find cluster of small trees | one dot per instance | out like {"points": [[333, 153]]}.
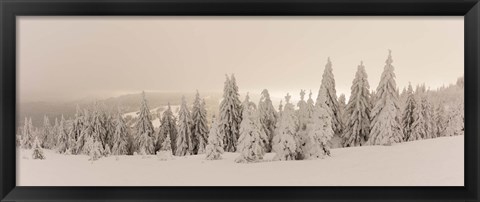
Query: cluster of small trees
{"points": [[382, 117]]}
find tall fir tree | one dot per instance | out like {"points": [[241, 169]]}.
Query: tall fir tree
{"points": [[357, 111], [62, 136], [230, 114], [251, 143], [144, 130], [200, 125], [328, 82], [440, 120], [120, 136], [268, 117], [214, 149], [75, 131], [184, 142], [86, 133], [285, 145], [168, 127], [342, 105], [46, 133], [302, 113], [385, 123], [408, 117], [27, 135]]}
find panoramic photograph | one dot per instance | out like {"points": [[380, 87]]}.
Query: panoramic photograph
{"points": [[240, 101]]}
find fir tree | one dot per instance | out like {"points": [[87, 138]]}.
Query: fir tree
{"points": [[214, 148], [167, 144], [252, 139], [168, 127], [268, 117], [144, 130], [342, 105], [284, 143], [75, 131], [440, 120], [46, 133], [85, 134], [230, 114], [184, 144], [27, 135], [328, 82], [200, 125], [37, 150], [62, 136], [94, 148], [408, 118], [120, 136], [302, 113], [357, 111], [385, 124]]}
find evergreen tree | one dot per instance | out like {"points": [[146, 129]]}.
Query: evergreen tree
{"points": [[455, 121], [268, 118], [120, 136], [75, 131], [319, 132], [167, 144], [184, 143], [409, 116], [285, 142], [46, 133], [200, 125], [144, 130], [342, 105], [385, 123], [328, 82], [62, 134], [168, 127], [440, 120], [27, 135], [357, 111], [251, 143], [85, 134], [37, 150], [214, 148], [302, 113], [230, 114], [94, 149]]}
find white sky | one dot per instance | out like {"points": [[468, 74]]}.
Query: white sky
{"points": [[67, 58]]}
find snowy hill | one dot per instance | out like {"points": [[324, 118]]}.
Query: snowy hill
{"points": [[432, 162], [156, 112]]}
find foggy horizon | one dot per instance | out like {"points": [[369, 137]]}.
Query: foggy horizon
{"points": [[64, 59]]}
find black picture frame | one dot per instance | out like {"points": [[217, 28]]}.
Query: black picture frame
{"points": [[10, 9]]}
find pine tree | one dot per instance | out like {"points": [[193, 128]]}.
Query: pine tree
{"points": [[230, 114], [385, 123], [268, 117], [85, 134], [342, 105], [27, 135], [409, 115], [75, 131], [45, 133], [319, 131], [285, 142], [455, 120], [302, 113], [168, 127], [167, 144], [94, 148], [328, 82], [120, 136], [184, 144], [200, 125], [62, 135], [357, 111], [251, 143], [144, 130], [440, 120], [37, 150], [214, 148]]}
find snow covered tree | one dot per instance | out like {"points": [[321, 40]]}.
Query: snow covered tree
{"points": [[200, 125], [45, 133], [328, 82], [230, 114], [27, 135], [62, 136], [184, 135], [409, 116], [357, 111], [302, 113], [440, 120], [214, 148], [251, 143], [120, 136], [37, 150], [342, 105], [168, 127], [385, 123], [166, 144], [268, 117], [455, 120], [85, 134], [284, 141], [144, 130], [75, 131], [95, 149], [319, 132]]}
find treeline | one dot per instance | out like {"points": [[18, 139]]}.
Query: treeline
{"points": [[304, 131]]}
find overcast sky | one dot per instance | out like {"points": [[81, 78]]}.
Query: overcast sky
{"points": [[68, 58]]}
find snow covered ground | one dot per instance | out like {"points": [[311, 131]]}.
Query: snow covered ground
{"points": [[433, 162]]}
